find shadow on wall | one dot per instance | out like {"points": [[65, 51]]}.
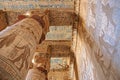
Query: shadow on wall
{"points": [[93, 63]]}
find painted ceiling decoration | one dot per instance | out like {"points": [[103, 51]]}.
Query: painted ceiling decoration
{"points": [[57, 17], [48, 46], [60, 63], [56, 47], [59, 33], [35, 4]]}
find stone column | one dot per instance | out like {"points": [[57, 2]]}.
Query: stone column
{"points": [[17, 45]]}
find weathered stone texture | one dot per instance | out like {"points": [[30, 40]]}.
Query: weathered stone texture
{"points": [[12, 16], [57, 17], [59, 33], [18, 5], [17, 45], [59, 75], [61, 17], [97, 50], [45, 44], [3, 20]]}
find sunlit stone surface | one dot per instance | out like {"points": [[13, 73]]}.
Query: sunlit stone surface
{"points": [[98, 39]]}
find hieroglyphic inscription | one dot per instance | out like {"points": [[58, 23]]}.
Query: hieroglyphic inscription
{"points": [[25, 53], [59, 33], [17, 45], [57, 17], [8, 67], [60, 50], [61, 17], [34, 4], [44, 45]]}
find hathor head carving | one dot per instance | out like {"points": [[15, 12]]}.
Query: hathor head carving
{"points": [[42, 18], [39, 59]]}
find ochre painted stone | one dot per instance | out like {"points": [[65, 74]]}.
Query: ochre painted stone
{"points": [[3, 20]]}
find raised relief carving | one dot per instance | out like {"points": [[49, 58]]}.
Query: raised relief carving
{"points": [[7, 40], [24, 53], [16, 47], [56, 17], [108, 10]]}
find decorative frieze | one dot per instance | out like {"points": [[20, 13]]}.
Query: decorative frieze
{"points": [[57, 17], [34, 4]]}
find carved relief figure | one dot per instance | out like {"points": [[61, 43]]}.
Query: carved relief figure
{"points": [[38, 72], [19, 41], [25, 53]]}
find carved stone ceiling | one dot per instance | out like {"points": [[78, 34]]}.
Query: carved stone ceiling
{"points": [[61, 23], [61, 18], [59, 33], [35, 4], [44, 45], [58, 30], [57, 17]]}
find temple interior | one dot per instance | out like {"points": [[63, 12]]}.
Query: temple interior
{"points": [[59, 40]]}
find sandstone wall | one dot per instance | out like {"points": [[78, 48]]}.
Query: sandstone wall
{"points": [[97, 42]]}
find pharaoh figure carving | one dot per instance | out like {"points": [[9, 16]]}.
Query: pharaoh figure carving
{"points": [[18, 43]]}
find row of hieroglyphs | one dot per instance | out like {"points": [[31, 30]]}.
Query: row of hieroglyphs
{"points": [[34, 4], [59, 33]]}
